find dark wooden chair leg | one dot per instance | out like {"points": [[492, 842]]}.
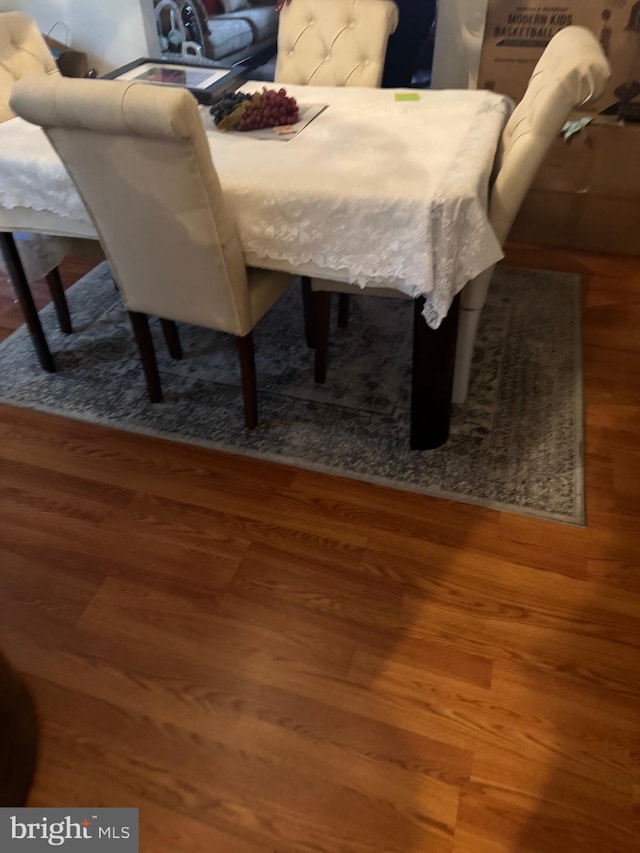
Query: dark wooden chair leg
{"points": [[343, 310], [140, 323], [322, 311], [59, 301], [307, 307], [434, 353], [249, 383], [172, 338], [25, 298]]}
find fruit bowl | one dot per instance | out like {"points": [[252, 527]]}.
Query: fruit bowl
{"points": [[269, 108]]}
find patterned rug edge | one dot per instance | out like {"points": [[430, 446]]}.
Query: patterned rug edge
{"points": [[578, 520], [580, 423]]}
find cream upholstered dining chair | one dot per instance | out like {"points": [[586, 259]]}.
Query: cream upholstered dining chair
{"points": [[571, 72], [334, 42], [139, 158], [24, 53]]}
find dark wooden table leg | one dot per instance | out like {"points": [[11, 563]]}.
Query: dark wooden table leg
{"points": [[434, 353], [25, 298]]}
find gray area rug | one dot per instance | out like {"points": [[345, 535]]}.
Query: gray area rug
{"points": [[515, 445]]}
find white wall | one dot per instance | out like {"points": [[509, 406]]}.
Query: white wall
{"points": [[459, 34], [112, 32]]}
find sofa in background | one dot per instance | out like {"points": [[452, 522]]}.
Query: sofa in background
{"points": [[225, 31], [239, 26]]}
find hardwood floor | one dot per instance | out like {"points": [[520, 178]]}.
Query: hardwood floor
{"points": [[270, 660]]}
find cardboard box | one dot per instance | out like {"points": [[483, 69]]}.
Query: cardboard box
{"points": [[587, 192], [587, 223], [517, 32]]}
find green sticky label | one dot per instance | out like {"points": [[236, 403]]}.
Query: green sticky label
{"points": [[407, 96]]}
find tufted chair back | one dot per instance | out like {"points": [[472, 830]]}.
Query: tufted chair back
{"points": [[571, 73], [23, 53], [334, 42], [139, 158]]}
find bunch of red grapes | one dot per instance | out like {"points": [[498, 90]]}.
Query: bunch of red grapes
{"points": [[273, 109]]}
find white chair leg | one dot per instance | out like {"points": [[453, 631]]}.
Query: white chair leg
{"points": [[467, 328], [474, 296]]}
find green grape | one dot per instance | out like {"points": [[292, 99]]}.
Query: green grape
{"points": [[225, 105]]}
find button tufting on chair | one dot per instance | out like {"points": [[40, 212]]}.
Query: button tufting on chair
{"points": [[23, 53], [311, 32], [571, 73], [323, 42]]}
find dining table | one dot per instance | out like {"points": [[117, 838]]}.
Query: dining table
{"points": [[382, 188]]}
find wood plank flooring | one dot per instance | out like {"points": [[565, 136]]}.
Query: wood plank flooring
{"points": [[269, 660]]}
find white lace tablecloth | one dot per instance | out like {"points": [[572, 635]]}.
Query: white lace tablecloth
{"points": [[381, 190]]}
